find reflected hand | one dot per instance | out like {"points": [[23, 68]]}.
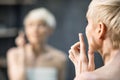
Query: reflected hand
{"points": [[20, 40]]}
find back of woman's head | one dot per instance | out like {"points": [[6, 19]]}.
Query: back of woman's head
{"points": [[108, 12]]}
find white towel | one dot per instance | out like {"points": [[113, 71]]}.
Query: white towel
{"points": [[42, 74]]}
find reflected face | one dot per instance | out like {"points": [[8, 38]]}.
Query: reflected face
{"points": [[91, 35], [36, 31]]}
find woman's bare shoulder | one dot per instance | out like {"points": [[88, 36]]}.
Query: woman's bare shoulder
{"points": [[101, 73], [89, 76], [12, 52], [11, 55]]}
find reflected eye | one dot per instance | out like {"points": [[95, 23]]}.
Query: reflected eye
{"points": [[29, 24], [42, 25]]}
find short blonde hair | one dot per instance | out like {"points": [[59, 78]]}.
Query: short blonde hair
{"points": [[108, 12], [42, 14]]}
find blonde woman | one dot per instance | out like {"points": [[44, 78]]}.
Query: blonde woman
{"points": [[36, 60], [103, 35]]}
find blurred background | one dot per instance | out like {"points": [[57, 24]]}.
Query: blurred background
{"points": [[70, 16]]}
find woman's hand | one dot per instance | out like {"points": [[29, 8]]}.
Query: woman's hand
{"points": [[77, 54], [20, 40]]}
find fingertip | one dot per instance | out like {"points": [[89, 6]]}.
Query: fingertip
{"points": [[80, 34], [69, 51], [81, 38]]}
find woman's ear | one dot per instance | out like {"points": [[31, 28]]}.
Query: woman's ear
{"points": [[101, 30]]}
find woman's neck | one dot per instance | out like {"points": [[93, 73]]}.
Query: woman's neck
{"points": [[38, 48], [110, 56], [107, 52]]}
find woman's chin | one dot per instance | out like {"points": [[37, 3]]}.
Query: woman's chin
{"points": [[34, 42], [90, 47]]}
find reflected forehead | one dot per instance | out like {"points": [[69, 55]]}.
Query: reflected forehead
{"points": [[35, 21]]}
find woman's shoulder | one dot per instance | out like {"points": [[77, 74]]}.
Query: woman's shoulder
{"points": [[13, 52], [98, 74], [89, 76]]}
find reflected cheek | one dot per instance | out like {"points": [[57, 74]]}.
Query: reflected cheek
{"points": [[43, 32], [29, 34]]}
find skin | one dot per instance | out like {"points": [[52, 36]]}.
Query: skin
{"points": [[98, 41], [37, 53]]}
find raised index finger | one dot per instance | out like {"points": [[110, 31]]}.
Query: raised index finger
{"points": [[82, 44]]}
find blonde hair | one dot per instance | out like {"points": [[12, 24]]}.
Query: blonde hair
{"points": [[42, 14], [108, 12]]}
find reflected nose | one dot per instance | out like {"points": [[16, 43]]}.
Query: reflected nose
{"points": [[35, 30]]}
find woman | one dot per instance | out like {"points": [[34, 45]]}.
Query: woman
{"points": [[36, 60], [103, 35]]}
